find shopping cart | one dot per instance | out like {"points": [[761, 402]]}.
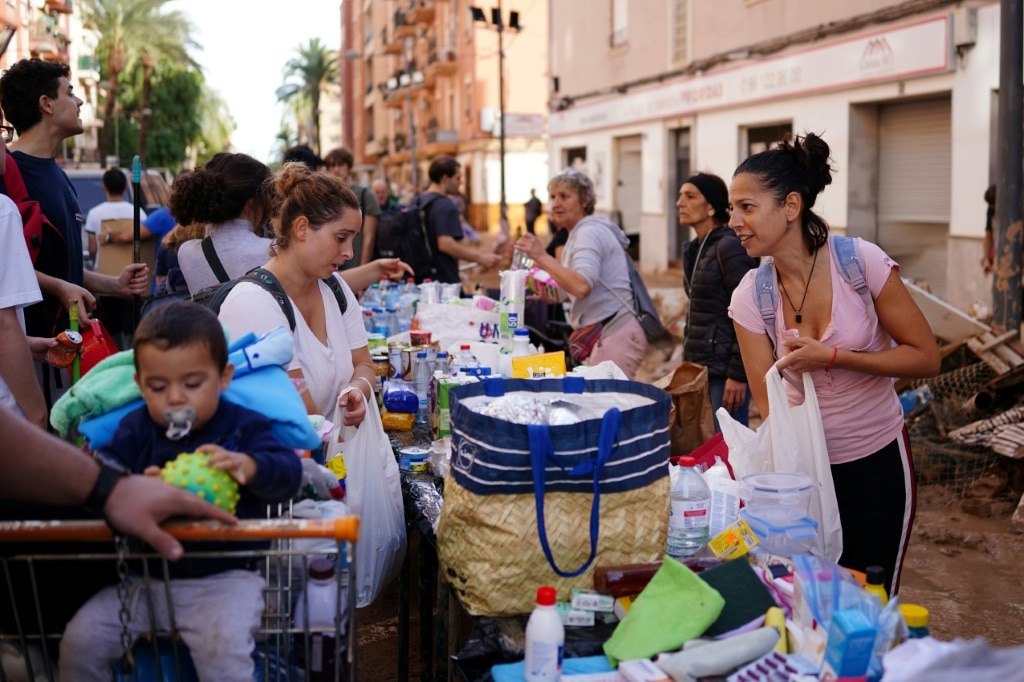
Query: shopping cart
{"points": [[30, 653]]}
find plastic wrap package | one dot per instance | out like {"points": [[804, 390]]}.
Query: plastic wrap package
{"points": [[512, 305], [422, 493]]}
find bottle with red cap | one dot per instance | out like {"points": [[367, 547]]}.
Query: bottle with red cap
{"points": [[691, 510], [545, 639]]}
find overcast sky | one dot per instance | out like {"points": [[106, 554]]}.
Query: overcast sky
{"points": [[245, 47]]}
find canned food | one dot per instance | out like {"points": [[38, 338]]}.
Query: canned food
{"points": [[63, 354], [419, 337], [413, 459], [400, 360]]}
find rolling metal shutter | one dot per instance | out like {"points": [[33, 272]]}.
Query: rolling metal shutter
{"points": [[914, 182]]}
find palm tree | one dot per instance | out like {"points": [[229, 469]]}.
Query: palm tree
{"points": [[133, 31], [305, 76]]}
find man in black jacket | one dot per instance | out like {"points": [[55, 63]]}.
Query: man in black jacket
{"points": [[714, 262]]}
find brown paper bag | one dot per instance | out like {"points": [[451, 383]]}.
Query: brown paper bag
{"points": [[691, 422]]}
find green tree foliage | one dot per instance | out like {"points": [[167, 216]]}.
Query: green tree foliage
{"points": [[304, 77], [179, 101], [131, 33]]}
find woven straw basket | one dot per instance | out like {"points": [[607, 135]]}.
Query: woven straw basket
{"points": [[489, 543]]}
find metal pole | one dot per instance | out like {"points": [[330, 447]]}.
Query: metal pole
{"points": [[410, 46], [501, 108], [1006, 284], [137, 237]]}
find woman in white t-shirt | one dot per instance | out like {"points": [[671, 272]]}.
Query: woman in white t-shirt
{"points": [[317, 217], [822, 325]]}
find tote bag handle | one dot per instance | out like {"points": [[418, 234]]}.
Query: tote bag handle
{"points": [[541, 451]]}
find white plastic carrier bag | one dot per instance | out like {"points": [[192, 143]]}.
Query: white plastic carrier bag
{"points": [[374, 494], [790, 440]]}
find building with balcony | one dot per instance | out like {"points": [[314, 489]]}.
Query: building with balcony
{"points": [[646, 92], [420, 78]]}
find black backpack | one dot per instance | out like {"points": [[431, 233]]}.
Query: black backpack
{"points": [[404, 233], [215, 295]]}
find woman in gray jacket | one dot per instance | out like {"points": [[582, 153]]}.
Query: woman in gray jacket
{"points": [[592, 272]]}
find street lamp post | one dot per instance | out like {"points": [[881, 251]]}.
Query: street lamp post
{"points": [[497, 20], [410, 46]]}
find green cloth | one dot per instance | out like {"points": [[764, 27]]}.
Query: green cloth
{"points": [[107, 386], [675, 607]]}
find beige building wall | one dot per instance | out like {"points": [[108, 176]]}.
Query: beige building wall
{"points": [[642, 116]]}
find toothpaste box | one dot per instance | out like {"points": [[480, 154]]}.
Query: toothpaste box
{"points": [[572, 617], [589, 600]]}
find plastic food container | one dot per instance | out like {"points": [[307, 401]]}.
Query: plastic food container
{"points": [[782, 530], [787, 490]]}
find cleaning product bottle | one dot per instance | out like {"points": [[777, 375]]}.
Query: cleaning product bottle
{"points": [[875, 576], [691, 511], [545, 639], [916, 617]]}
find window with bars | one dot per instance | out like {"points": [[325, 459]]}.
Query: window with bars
{"points": [[680, 31]]}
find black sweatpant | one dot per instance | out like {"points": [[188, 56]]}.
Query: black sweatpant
{"points": [[877, 497]]}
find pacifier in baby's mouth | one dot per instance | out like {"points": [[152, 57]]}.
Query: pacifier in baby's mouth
{"points": [[179, 422]]}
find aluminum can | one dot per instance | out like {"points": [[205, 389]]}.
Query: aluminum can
{"points": [[63, 354]]}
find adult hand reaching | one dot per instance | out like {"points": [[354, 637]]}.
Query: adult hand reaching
{"points": [[139, 504]]}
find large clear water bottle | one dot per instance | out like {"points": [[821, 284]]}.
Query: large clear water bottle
{"points": [[691, 511]]}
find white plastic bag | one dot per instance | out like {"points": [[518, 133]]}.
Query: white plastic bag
{"points": [[458, 322], [374, 493], [790, 440]]}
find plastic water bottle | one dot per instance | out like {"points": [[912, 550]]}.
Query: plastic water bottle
{"points": [[545, 639], [441, 364], [380, 322], [371, 297], [321, 594], [422, 384], [391, 316], [691, 511]]}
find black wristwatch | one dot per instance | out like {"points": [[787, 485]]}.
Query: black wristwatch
{"points": [[110, 474]]}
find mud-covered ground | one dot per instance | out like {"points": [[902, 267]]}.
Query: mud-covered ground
{"points": [[967, 571]]}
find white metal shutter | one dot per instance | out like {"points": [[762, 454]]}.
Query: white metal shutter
{"points": [[914, 183]]}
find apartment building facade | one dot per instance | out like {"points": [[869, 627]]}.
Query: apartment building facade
{"points": [[420, 78], [645, 92], [52, 30]]}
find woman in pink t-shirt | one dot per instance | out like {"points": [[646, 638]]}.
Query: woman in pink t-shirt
{"points": [[823, 327]]}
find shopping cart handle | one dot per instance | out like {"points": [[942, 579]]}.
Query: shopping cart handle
{"points": [[340, 529]]}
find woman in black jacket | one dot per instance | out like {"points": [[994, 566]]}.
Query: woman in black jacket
{"points": [[714, 262]]}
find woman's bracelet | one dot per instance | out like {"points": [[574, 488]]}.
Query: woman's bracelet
{"points": [[832, 362]]}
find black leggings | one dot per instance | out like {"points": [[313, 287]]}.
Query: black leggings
{"points": [[877, 496]]}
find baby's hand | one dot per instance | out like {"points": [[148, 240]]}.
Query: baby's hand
{"points": [[152, 471], [239, 465]]}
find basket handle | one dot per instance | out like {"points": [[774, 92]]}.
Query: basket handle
{"points": [[541, 451]]}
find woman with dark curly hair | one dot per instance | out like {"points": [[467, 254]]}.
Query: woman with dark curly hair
{"points": [[852, 346]]}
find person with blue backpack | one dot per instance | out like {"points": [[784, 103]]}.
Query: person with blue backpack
{"points": [[837, 308]]}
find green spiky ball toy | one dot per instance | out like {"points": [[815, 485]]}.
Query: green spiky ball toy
{"points": [[191, 472]]}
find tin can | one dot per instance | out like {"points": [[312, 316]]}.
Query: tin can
{"points": [[413, 459], [399, 355], [419, 337], [63, 354]]}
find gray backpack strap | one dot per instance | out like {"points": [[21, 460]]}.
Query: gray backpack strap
{"points": [[765, 298], [844, 250]]}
